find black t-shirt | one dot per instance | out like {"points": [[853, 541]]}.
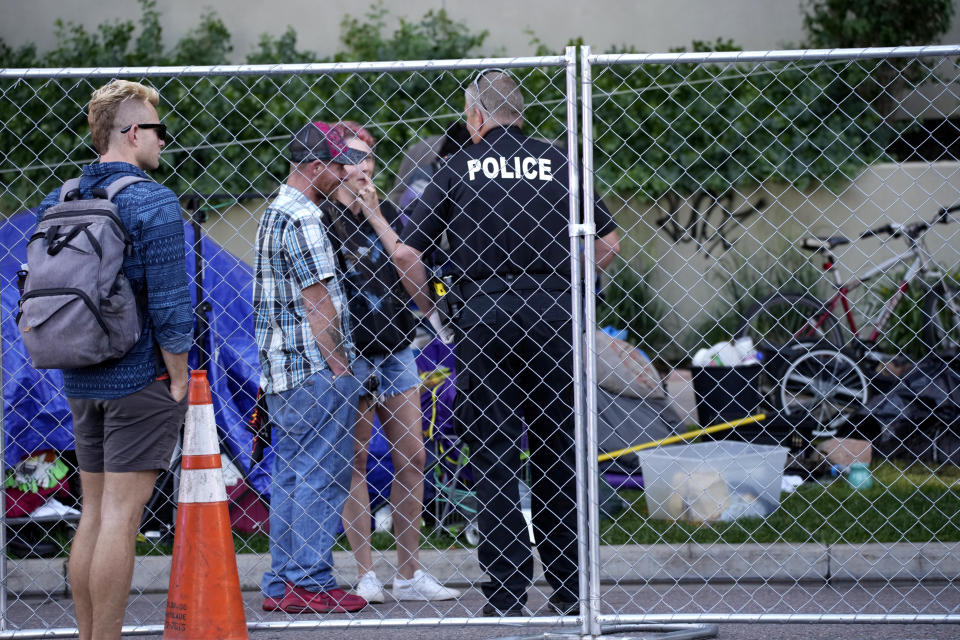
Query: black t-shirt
{"points": [[504, 202], [380, 320]]}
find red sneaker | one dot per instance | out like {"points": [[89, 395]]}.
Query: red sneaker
{"points": [[273, 604], [299, 600]]}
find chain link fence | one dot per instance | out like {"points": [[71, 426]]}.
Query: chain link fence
{"points": [[798, 199], [789, 256]]}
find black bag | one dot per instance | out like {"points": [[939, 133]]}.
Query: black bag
{"points": [[380, 322], [918, 417]]}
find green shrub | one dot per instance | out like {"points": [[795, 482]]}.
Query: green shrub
{"points": [[876, 23], [662, 129], [879, 23], [681, 128], [745, 282], [230, 133]]}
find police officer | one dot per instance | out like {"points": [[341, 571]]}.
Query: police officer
{"points": [[503, 202]]}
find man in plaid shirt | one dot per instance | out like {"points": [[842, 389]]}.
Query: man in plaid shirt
{"points": [[303, 338]]}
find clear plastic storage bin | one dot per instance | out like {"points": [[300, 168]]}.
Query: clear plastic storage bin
{"points": [[712, 481]]}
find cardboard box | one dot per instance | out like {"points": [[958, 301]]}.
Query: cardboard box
{"points": [[846, 451]]}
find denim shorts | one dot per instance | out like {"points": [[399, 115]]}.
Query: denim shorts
{"points": [[396, 373]]}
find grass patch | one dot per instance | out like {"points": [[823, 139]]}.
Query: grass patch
{"points": [[259, 543], [908, 503]]}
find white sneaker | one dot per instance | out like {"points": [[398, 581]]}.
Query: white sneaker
{"points": [[422, 586], [370, 588]]}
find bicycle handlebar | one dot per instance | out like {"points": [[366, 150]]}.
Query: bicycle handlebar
{"points": [[887, 229], [912, 230], [943, 217]]}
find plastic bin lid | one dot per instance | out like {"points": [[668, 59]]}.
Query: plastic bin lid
{"points": [[703, 450]]}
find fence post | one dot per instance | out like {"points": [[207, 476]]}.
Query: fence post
{"points": [[591, 624], [576, 306]]}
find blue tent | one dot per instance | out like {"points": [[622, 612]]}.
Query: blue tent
{"points": [[35, 412]]}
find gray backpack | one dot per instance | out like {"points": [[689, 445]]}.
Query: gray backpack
{"points": [[77, 308]]}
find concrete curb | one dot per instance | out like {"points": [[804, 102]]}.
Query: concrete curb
{"points": [[623, 564]]}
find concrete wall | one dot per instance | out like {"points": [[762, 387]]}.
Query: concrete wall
{"points": [[692, 269], [647, 25]]}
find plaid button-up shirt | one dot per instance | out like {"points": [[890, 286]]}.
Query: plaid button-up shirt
{"points": [[293, 253]]}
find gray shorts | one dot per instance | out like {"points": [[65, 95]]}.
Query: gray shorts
{"points": [[137, 432]]}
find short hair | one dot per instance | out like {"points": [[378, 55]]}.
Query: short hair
{"points": [[105, 103], [350, 129], [496, 94]]}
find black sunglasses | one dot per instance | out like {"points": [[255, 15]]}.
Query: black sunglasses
{"points": [[159, 126], [480, 74]]}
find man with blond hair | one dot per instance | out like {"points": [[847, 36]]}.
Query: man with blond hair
{"points": [[127, 411]]}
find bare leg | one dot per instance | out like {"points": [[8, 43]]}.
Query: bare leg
{"points": [[356, 511], [81, 551], [111, 566], [401, 419]]}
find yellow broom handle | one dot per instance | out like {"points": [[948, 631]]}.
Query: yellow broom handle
{"points": [[683, 436]]}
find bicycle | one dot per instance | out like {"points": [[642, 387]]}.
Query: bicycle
{"points": [[821, 371]]}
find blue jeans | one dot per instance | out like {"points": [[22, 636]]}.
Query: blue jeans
{"points": [[313, 451]]}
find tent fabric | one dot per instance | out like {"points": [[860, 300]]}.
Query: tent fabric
{"points": [[443, 447], [917, 417], [36, 415], [624, 422], [35, 411]]}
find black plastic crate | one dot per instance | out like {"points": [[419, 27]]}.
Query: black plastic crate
{"points": [[724, 394]]}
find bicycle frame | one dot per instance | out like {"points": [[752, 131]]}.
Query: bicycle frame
{"points": [[826, 378], [920, 266]]}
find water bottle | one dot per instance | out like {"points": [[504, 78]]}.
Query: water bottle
{"points": [[22, 277], [858, 475]]}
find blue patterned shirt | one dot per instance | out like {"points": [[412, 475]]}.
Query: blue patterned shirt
{"points": [[293, 253], [151, 214]]}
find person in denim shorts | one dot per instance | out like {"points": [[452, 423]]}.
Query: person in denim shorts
{"points": [[382, 330]]}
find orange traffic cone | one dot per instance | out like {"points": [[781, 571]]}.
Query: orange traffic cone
{"points": [[204, 600]]}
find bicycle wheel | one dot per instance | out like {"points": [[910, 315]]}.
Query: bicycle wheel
{"points": [[826, 384], [941, 330], [784, 317]]}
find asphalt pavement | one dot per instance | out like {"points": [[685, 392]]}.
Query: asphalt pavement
{"points": [[813, 597]]}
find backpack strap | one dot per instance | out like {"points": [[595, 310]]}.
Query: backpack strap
{"points": [[111, 192], [116, 187], [122, 183], [334, 232], [73, 184], [68, 187]]}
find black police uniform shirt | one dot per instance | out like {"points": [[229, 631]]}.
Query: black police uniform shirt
{"points": [[504, 203]]}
